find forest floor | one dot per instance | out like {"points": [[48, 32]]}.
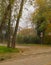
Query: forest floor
{"points": [[30, 55]]}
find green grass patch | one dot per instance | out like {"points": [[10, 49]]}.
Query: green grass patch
{"points": [[4, 49]]}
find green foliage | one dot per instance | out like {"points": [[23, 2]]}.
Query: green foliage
{"points": [[43, 9], [42, 15], [42, 27]]}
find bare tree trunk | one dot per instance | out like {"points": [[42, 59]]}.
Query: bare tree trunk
{"points": [[17, 24], [8, 43]]}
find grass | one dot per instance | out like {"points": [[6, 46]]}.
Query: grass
{"points": [[4, 49]]}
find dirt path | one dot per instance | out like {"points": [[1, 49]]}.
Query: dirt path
{"points": [[33, 55], [32, 60]]}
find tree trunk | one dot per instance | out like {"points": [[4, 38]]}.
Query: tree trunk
{"points": [[8, 43], [17, 24], [9, 25]]}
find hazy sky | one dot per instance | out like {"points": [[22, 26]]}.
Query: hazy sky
{"points": [[27, 10]]}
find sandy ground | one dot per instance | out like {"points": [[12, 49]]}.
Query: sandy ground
{"points": [[31, 55]]}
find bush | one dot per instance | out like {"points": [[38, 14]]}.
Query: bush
{"points": [[37, 40], [47, 40], [28, 39], [25, 39]]}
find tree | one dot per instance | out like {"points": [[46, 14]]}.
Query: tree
{"points": [[9, 24], [2, 15], [6, 19], [40, 16], [17, 24]]}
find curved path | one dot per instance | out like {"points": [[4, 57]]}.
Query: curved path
{"points": [[32, 56]]}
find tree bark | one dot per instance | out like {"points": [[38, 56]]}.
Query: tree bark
{"points": [[9, 24]]}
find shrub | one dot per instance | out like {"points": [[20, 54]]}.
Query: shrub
{"points": [[47, 40], [25, 39]]}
